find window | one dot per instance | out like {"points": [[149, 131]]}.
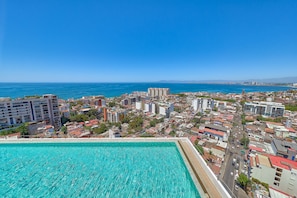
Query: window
{"points": [[277, 179], [278, 174]]}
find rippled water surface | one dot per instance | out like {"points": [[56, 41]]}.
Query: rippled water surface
{"points": [[94, 170], [77, 90]]}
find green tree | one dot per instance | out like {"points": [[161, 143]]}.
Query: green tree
{"points": [[243, 181], [178, 109], [112, 104], [291, 107], [64, 120], [196, 121], [182, 95], [172, 133], [101, 129], [64, 129], [153, 123], [245, 141], [199, 149], [23, 129], [79, 118], [126, 119], [93, 114], [136, 123]]}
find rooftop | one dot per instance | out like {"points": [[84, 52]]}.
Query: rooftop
{"points": [[216, 127], [219, 133], [283, 146], [282, 162]]}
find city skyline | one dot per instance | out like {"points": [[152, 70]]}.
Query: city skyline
{"points": [[53, 41]]}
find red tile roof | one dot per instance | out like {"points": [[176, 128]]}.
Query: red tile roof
{"points": [[214, 132], [193, 138], [292, 130], [282, 162]]}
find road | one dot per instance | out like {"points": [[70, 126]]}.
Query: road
{"points": [[233, 151], [228, 177]]}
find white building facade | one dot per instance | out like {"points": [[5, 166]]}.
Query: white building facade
{"points": [[271, 109], [35, 109], [279, 173], [202, 104], [158, 92], [165, 109]]}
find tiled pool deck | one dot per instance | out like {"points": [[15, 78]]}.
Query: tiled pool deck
{"points": [[203, 177]]}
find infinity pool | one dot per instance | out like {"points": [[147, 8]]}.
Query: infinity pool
{"points": [[117, 169]]}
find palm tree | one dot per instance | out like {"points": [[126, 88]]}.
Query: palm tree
{"points": [[243, 181]]}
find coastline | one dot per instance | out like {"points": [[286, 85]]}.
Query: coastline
{"points": [[109, 90]]}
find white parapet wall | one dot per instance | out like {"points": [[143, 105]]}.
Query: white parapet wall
{"points": [[209, 172]]}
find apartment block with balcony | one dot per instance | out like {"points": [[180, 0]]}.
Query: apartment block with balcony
{"points": [[271, 109], [158, 92], [34, 109]]}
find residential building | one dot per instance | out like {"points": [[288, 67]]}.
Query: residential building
{"points": [[165, 109], [158, 92], [202, 104], [271, 109], [30, 109], [139, 105], [278, 172], [215, 131], [115, 115], [150, 107], [284, 149]]}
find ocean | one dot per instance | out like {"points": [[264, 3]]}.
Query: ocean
{"points": [[78, 90]]}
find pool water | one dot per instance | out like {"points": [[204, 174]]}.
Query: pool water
{"points": [[144, 169]]}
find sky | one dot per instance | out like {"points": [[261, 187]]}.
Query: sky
{"points": [[146, 40]]}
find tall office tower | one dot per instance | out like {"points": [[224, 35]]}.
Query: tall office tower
{"points": [[30, 109]]}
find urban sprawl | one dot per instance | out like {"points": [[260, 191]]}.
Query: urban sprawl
{"points": [[248, 140]]}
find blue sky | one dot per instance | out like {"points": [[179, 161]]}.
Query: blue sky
{"points": [[146, 40]]}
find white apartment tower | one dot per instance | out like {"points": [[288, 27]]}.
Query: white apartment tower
{"points": [[35, 109], [201, 104]]}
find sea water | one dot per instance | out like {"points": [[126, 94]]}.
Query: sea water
{"points": [[78, 90]]}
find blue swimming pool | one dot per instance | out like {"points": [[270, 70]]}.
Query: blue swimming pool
{"points": [[116, 169]]}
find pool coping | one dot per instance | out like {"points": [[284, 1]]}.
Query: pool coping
{"points": [[198, 166]]}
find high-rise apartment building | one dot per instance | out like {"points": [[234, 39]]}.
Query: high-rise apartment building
{"points": [[202, 104], [158, 92], [115, 115], [34, 109], [165, 109]]}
